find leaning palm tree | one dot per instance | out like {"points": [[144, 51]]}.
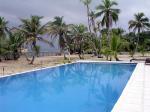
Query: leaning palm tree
{"points": [[139, 24], [33, 29], [109, 14], [58, 28], [87, 3], [3, 31]]}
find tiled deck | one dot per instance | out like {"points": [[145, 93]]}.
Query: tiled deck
{"points": [[136, 95]]}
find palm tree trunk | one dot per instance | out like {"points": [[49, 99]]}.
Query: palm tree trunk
{"points": [[108, 36], [109, 25], [88, 11], [138, 38], [33, 58], [116, 57], [94, 26], [66, 45], [33, 52], [81, 55], [27, 57]]}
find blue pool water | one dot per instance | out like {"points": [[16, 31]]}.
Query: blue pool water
{"points": [[80, 87]]}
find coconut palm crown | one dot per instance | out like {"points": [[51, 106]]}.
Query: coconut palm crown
{"points": [[3, 27], [58, 28], [33, 29], [139, 24], [108, 12]]}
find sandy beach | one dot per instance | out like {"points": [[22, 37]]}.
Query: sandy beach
{"points": [[21, 65]]}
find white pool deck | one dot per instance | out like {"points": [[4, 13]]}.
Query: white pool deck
{"points": [[136, 95]]}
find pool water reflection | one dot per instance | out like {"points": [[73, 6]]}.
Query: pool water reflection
{"points": [[79, 87]]}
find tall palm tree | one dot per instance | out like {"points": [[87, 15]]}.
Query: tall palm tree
{"points": [[3, 31], [33, 29], [58, 28], [87, 3], [109, 14], [139, 24]]}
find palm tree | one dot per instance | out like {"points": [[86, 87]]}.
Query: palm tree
{"points": [[115, 46], [79, 33], [3, 31], [15, 42], [92, 17], [139, 24], [3, 27], [33, 29], [108, 13], [87, 3], [58, 28], [118, 31], [12, 47]]}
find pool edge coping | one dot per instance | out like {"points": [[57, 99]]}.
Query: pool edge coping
{"points": [[126, 89], [77, 61]]}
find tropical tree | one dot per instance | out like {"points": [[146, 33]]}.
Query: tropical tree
{"points": [[115, 46], [109, 14], [12, 48], [3, 31], [33, 29], [15, 42], [79, 33], [118, 31], [95, 45], [139, 24], [58, 28], [92, 17], [87, 3], [105, 48], [3, 44], [3, 27]]}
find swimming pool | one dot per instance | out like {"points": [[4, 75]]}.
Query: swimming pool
{"points": [[77, 87]]}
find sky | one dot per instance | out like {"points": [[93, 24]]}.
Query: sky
{"points": [[72, 10]]}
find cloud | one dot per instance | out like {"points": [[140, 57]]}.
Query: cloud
{"points": [[72, 10]]}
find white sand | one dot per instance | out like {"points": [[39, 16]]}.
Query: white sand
{"points": [[21, 65]]}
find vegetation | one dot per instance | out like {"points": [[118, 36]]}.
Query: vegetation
{"points": [[99, 38], [87, 3], [109, 15], [32, 30], [140, 23], [3, 31]]}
